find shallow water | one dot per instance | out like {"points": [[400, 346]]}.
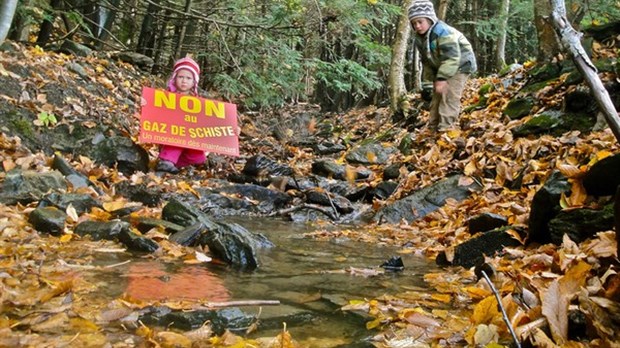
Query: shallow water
{"points": [[311, 279]]}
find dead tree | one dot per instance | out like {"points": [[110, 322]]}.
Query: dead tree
{"points": [[570, 39]]}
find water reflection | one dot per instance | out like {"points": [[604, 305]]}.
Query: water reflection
{"points": [[151, 280]]}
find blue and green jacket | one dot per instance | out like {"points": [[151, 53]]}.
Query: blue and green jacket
{"points": [[444, 52]]}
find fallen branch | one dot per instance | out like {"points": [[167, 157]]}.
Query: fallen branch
{"points": [[570, 39], [501, 307], [211, 305]]}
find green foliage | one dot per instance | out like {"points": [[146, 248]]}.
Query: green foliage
{"points": [[599, 12], [46, 119], [346, 76]]}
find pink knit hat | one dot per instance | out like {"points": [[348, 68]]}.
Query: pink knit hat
{"points": [[190, 65]]}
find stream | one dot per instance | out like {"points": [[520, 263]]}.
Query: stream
{"points": [[311, 278]]}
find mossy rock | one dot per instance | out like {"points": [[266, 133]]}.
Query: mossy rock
{"points": [[519, 107], [546, 72], [405, 144], [556, 123]]}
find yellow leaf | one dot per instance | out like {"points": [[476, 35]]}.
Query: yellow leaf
{"points": [[373, 324], [83, 325], [485, 311], [59, 289], [188, 188], [471, 167], [115, 205], [65, 238], [173, 340], [477, 293], [555, 309], [350, 174], [445, 298], [371, 156]]}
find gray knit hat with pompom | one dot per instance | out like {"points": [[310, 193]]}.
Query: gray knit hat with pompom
{"points": [[423, 8]]}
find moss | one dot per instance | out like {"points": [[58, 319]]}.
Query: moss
{"points": [[486, 88], [519, 107], [23, 127]]}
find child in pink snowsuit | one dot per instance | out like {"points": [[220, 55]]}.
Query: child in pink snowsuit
{"points": [[184, 80]]}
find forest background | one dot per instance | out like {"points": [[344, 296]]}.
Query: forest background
{"points": [[260, 54]]}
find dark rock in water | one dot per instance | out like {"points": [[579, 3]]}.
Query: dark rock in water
{"points": [[384, 190], [82, 202], [124, 211], [348, 190], [324, 198], [424, 201], [268, 199], [145, 224], [472, 252], [262, 166], [48, 220], [136, 242], [545, 206], [234, 244], [330, 169], [486, 222], [189, 235], [98, 230], [123, 153], [395, 263], [230, 242], [232, 319], [580, 224], [28, 186], [604, 177]]}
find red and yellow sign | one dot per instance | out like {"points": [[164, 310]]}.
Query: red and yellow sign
{"points": [[188, 121]]}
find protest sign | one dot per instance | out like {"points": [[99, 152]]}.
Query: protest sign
{"points": [[188, 121]]}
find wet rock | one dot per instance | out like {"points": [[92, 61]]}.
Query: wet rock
{"points": [[232, 319], [77, 179], [268, 199], [235, 245], [125, 211], [230, 242], [135, 242], [48, 220], [328, 148], [545, 206], [472, 252], [309, 214], [348, 190], [122, 153], [330, 169], [392, 171], [373, 153], [189, 235], [149, 196], [580, 224], [78, 69], [145, 224], [306, 183], [405, 144], [262, 166], [81, 202], [603, 177], [486, 222], [318, 196], [384, 190], [28, 186], [98, 230], [424, 201]]}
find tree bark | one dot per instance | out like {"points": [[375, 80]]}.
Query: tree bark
{"points": [[107, 25], [548, 45], [396, 78], [570, 39], [146, 40], [7, 11], [500, 48], [442, 9], [182, 31], [45, 32]]}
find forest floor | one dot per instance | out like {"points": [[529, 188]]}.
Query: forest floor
{"points": [[539, 284]]}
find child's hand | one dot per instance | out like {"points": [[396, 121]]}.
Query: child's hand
{"points": [[142, 101]]}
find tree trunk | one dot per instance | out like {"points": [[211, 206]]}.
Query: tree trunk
{"points": [[21, 25], [442, 9], [571, 41], [548, 45], [104, 34], [7, 11], [45, 32], [146, 40], [396, 79], [177, 50], [500, 48], [617, 219]]}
